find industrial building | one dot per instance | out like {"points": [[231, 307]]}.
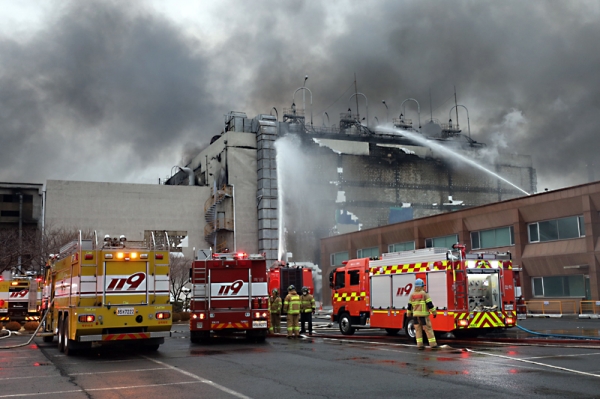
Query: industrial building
{"points": [[553, 237], [279, 187], [21, 207], [134, 210]]}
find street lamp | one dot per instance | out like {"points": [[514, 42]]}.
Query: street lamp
{"points": [[276, 113], [387, 112]]}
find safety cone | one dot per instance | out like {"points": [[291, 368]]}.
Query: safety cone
{"points": [[320, 306]]}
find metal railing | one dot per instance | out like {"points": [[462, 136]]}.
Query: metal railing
{"points": [[589, 307], [553, 307]]}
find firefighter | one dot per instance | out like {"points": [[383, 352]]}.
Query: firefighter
{"points": [[420, 305], [291, 305], [307, 309], [275, 308]]}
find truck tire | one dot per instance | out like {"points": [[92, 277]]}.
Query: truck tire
{"points": [[409, 329], [392, 331], [256, 335], [45, 330], [199, 337], [70, 346], [345, 325], [61, 337]]}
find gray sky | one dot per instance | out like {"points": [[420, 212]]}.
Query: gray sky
{"points": [[122, 91]]}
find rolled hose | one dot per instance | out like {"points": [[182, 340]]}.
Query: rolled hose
{"points": [[557, 335]]}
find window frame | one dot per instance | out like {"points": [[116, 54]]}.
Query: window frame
{"points": [[511, 232], [580, 220], [392, 249], [359, 252], [332, 257], [431, 239]]}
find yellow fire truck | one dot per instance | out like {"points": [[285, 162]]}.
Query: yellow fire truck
{"points": [[109, 293], [20, 298]]}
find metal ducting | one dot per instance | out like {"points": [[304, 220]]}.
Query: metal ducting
{"points": [[191, 177]]}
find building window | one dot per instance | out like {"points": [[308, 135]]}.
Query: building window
{"points": [[501, 237], [368, 253], [338, 258], [559, 286], [402, 246], [441, 242], [10, 214], [557, 229]]}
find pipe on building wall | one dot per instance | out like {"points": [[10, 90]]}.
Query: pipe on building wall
{"points": [[191, 177]]}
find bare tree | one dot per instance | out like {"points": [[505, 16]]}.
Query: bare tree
{"points": [[179, 275]]}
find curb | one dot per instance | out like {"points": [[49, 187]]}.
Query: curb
{"points": [[589, 316]]}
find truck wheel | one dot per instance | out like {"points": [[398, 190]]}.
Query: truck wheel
{"points": [[61, 337], [409, 329], [46, 339], [345, 325], [199, 337], [256, 335], [151, 348], [392, 331], [69, 344]]}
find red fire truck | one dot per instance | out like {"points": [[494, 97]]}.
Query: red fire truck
{"points": [[281, 276], [229, 296], [474, 293]]}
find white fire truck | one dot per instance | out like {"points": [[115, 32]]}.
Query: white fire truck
{"points": [[229, 296], [474, 293], [115, 292], [20, 298]]}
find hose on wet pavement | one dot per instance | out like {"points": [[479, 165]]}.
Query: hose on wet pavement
{"points": [[557, 335]]}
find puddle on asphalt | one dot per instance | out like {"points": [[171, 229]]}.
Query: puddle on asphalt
{"points": [[213, 352]]}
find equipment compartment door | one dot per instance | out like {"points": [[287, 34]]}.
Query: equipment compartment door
{"points": [[381, 297], [437, 288], [402, 286]]}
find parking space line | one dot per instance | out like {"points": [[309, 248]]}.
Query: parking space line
{"points": [[120, 371], [555, 356], [536, 363], [21, 395], [200, 379]]}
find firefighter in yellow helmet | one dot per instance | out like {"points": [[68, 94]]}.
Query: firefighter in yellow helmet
{"points": [[291, 305], [420, 305], [275, 309], [307, 309]]}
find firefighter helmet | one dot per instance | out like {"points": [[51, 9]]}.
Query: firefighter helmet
{"points": [[304, 289], [291, 287], [419, 283], [275, 292]]}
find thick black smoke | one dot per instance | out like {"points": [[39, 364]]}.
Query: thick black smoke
{"points": [[115, 90]]}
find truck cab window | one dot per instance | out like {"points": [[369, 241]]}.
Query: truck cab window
{"points": [[354, 277], [340, 278]]}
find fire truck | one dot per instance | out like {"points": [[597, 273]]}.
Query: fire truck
{"points": [[115, 292], [474, 293], [229, 296], [20, 298], [281, 276]]}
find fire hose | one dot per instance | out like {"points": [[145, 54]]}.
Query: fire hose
{"points": [[32, 335], [557, 335]]}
